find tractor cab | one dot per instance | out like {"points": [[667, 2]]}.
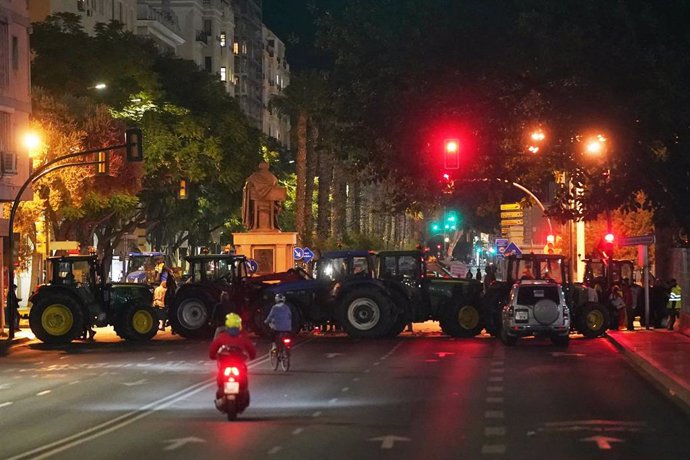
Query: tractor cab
{"points": [[550, 267], [140, 267], [602, 275]]}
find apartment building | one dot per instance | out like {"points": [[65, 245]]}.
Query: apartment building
{"points": [[276, 76], [15, 107], [247, 48], [91, 11]]}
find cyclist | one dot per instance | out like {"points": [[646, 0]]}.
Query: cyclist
{"points": [[237, 345], [279, 319]]}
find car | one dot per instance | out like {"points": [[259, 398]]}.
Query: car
{"points": [[536, 308]]}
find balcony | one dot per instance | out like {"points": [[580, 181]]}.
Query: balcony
{"points": [[167, 18]]}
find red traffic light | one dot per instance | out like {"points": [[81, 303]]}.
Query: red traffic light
{"points": [[609, 238], [451, 154]]}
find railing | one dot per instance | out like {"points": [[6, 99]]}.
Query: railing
{"points": [[167, 18]]}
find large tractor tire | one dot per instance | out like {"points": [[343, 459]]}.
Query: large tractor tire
{"points": [[592, 320], [56, 319], [138, 323], [190, 317], [462, 320], [492, 306], [366, 313]]}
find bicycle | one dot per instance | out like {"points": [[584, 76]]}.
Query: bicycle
{"points": [[280, 355]]}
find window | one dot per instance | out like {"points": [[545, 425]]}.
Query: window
{"points": [[15, 53], [223, 74], [208, 28], [80, 5], [236, 48], [4, 55], [7, 156], [222, 39], [244, 48], [208, 64]]}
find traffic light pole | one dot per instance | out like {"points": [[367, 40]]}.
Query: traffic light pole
{"points": [[133, 146]]}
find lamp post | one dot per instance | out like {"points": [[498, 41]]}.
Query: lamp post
{"points": [[134, 153]]}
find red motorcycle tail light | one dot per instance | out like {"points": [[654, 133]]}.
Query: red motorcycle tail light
{"points": [[228, 371]]}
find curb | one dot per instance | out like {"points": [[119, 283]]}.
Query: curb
{"points": [[671, 389], [5, 345]]}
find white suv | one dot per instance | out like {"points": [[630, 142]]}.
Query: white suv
{"points": [[536, 308]]}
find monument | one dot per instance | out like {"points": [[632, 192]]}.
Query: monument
{"points": [[262, 200]]}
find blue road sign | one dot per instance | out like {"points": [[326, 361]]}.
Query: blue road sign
{"points": [[252, 266], [512, 248], [297, 253], [308, 255], [501, 244]]}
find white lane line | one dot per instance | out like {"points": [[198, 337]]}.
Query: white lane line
{"points": [[496, 389], [274, 450], [345, 389], [497, 369], [498, 378], [494, 400], [297, 431], [493, 414], [333, 401], [44, 392], [495, 431], [356, 379], [74, 382], [5, 404], [316, 414], [151, 358], [498, 363], [493, 449], [377, 363], [366, 371]]}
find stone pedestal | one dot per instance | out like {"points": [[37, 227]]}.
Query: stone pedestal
{"points": [[271, 250]]}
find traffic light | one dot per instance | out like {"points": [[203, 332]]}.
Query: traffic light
{"points": [[606, 247], [103, 166], [451, 154], [182, 191], [133, 141]]}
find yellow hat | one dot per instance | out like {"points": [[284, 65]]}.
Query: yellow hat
{"points": [[233, 320]]}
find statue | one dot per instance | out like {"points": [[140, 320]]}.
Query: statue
{"points": [[262, 200]]}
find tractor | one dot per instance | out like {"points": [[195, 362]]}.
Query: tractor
{"points": [[76, 298]]}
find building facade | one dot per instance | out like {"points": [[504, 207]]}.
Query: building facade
{"points": [[15, 107], [248, 51], [91, 11], [276, 76]]}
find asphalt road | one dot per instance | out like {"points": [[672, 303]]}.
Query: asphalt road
{"points": [[414, 397]]}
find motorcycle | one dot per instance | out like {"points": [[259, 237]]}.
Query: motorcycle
{"points": [[232, 396]]}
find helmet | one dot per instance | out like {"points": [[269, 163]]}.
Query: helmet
{"points": [[233, 320], [279, 298]]}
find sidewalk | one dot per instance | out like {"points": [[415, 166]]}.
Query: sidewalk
{"points": [[662, 357], [22, 336]]}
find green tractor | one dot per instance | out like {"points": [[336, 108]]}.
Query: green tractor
{"points": [[75, 299]]}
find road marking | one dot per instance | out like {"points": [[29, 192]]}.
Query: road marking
{"points": [[45, 392], [4, 386], [345, 389], [179, 442], [356, 379], [493, 449], [495, 431], [316, 414], [332, 355], [297, 431], [498, 363], [498, 378], [5, 404], [151, 358], [603, 442], [497, 369], [496, 389], [377, 363], [97, 431], [388, 441], [493, 414], [494, 400], [333, 401], [274, 450], [366, 371], [74, 382], [138, 382]]}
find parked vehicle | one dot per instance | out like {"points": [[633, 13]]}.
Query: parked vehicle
{"points": [[536, 308], [587, 317], [76, 299]]}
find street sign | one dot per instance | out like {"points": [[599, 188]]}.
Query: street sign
{"points": [[297, 253], [510, 207], [308, 255], [511, 214], [511, 222], [501, 244], [643, 240], [252, 266], [512, 248]]}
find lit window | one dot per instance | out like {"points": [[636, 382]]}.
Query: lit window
{"points": [[223, 74], [244, 48], [222, 39], [236, 48]]}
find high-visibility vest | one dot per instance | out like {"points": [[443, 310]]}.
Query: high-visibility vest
{"points": [[674, 297]]}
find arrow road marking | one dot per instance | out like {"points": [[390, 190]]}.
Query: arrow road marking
{"points": [[138, 382], [332, 355], [179, 442], [603, 442], [388, 440]]}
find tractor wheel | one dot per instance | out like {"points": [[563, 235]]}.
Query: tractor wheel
{"points": [[366, 313], [138, 323], [462, 321], [397, 327], [56, 319], [492, 305], [189, 317], [593, 320]]}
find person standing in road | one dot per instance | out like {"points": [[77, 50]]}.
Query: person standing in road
{"points": [[617, 307], [479, 274], [673, 304]]}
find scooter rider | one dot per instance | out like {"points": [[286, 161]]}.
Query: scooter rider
{"points": [[279, 318], [232, 339]]}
